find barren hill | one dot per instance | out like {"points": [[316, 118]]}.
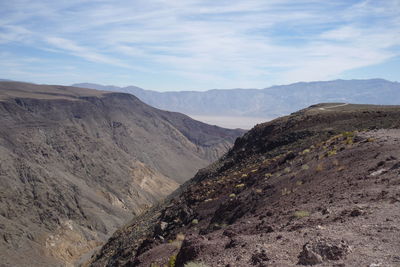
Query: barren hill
{"points": [[320, 186], [77, 163]]}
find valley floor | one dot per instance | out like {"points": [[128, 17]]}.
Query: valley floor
{"points": [[231, 122]]}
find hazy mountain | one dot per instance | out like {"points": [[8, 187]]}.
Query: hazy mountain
{"points": [[269, 102], [317, 187], [78, 163]]}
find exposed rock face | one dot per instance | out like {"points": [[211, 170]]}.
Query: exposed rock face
{"points": [[76, 164], [317, 187], [323, 250]]}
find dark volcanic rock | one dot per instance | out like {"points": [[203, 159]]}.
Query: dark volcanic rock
{"points": [[285, 182], [323, 249], [259, 258], [191, 248]]}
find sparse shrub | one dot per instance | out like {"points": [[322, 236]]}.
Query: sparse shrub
{"points": [[305, 167], [349, 140], [332, 152], [195, 264], [172, 261], [348, 134], [267, 175], [239, 185], [301, 214]]}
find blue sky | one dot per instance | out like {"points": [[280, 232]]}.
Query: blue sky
{"points": [[198, 45]]}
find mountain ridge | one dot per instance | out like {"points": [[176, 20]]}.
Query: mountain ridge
{"points": [[78, 163], [316, 187], [246, 106]]}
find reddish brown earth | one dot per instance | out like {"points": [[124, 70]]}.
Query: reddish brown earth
{"points": [[321, 186]]}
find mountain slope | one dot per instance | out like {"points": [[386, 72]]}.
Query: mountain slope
{"points": [[78, 163], [269, 102], [317, 187]]}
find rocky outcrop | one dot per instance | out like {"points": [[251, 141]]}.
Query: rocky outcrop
{"points": [[322, 250]]}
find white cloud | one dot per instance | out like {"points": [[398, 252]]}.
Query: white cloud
{"points": [[222, 42], [84, 52]]}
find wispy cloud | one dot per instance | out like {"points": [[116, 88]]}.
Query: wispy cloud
{"points": [[84, 52], [206, 44]]}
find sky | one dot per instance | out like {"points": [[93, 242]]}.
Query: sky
{"points": [[171, 45]]}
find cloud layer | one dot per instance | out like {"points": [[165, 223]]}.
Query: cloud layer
{"points": [[167, 45]]}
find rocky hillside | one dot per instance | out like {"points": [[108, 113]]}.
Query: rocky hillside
{"points": [[320, 186], [76, 164], [270, 102]]}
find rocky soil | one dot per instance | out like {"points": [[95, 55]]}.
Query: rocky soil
{"points": [[319, 187], [76, 164]]}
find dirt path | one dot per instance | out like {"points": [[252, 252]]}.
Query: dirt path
{"points": [[335, 106]]}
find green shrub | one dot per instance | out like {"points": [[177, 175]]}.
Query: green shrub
{"points": [[348, 134], [349, 140], [172, 261], [332, 152], [239, 185], [301, 214]]}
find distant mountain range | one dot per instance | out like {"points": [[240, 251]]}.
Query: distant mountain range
{"points": [[266, 103]]}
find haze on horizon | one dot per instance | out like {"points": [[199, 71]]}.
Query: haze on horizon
{"points": [[198, 45]]}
